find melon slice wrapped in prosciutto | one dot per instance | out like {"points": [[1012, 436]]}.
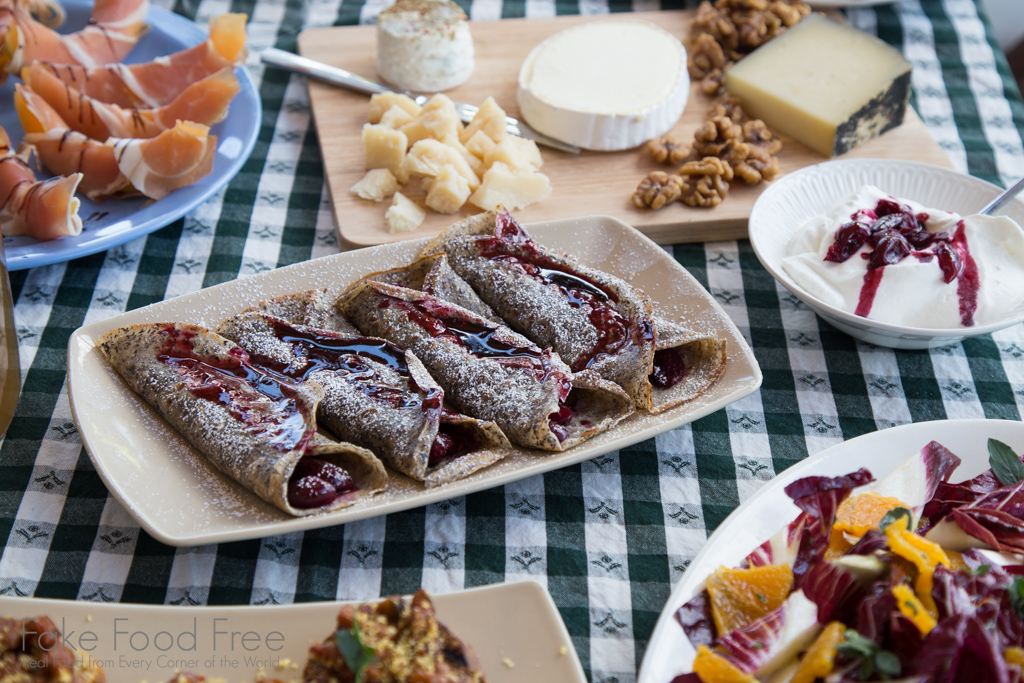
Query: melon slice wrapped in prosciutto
{"points": [[375, 395], [487, 370], [114, 28], [204, 102], [44, 209], [593, 320], [253, 425], [149, 85], [152, 167]]}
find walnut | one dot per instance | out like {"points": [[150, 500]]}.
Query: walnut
{"points": [[707, 192], [705, 182], [657, 190], [708, 166], [789, 13], [755, 131], [728, 106], [705, 56], [667, 150], [751, 156], [712, 137]]}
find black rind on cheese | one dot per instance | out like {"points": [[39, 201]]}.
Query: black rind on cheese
{"points": [[882, 113]]}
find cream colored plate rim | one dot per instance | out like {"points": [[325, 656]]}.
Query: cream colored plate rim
{"points": [[181, 500], [792, 200], [514, 630], [669, 653]]}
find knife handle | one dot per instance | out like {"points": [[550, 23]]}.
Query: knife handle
{"points": [[320, 71]]}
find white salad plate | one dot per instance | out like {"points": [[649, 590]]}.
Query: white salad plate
{"points": [[791, 201], [669, 652], [180, 499], [117, 221], [512, 628]]}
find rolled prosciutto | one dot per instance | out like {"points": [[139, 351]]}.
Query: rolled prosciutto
{"points": [[375, 395], [593, 320], [487, 370], [253, 425]]}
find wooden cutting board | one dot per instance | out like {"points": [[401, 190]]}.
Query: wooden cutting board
{"points": [[590, 183]]}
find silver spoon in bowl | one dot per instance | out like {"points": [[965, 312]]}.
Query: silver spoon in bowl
{"points": [[1003, 198]]}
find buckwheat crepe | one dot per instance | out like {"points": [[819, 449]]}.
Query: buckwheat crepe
{"points": [[251, 425], [592, 320], [487, 370], [375, 395]]}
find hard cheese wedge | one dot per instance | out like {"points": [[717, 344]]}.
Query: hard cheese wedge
{"points": [[829, 86]]}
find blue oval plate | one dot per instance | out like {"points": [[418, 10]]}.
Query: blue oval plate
{"points": [[117, 221]]}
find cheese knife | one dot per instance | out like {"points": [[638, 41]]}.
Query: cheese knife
{"points": [[311, 68]]}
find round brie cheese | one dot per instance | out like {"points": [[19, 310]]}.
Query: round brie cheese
{"points": [[606, 85], [424, 45]]}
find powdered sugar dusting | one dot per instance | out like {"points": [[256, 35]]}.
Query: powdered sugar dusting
{"points": [[138, 455]]}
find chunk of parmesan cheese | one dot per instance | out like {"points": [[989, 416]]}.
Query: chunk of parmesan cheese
{"points": [[377, 185], [403, 215]]}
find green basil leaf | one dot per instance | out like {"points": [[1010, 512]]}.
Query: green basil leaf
{"points": [[1006, 464], [888, 663], [1016, 592], [357, 654], [900, 514]]}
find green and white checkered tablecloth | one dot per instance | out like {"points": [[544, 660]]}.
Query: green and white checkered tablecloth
{"points": [[608, 537]]}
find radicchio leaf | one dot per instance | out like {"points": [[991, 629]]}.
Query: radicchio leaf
{"points": [[763, 645], [836, 591], [687, 678], [818, 498], [983, 594], [961, 650], [872, 542], [696, 620]]}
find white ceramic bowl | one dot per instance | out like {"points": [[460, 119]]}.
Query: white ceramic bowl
{"points": [[793, 199]]}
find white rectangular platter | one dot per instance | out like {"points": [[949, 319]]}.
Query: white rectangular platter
{"points": [[180, 499], [513, 624]]}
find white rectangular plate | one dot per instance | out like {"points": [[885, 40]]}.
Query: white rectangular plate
{"points": [[514, 629], [182, 500]]}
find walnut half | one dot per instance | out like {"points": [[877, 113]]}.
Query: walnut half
{"points": [[706, 182], [667, 150], [657, 190]]}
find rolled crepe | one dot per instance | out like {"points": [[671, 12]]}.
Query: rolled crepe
{"points": [[376, 396], [313, 308], [487, 370], [252, 425], [591, 319], [432, 275]]}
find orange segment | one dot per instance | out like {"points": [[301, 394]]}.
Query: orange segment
{"points": [[821, 657], [837, 545], [739, 596], [713, 668], [227, 32], [861, 513], [923, 554], [912, 608], [1014, 655]]}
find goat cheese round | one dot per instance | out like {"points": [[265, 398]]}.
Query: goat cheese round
{"points": [[605, 85], [424, 45]]}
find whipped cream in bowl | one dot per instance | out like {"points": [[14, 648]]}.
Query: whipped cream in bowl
{"points": [[892, 252]]}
